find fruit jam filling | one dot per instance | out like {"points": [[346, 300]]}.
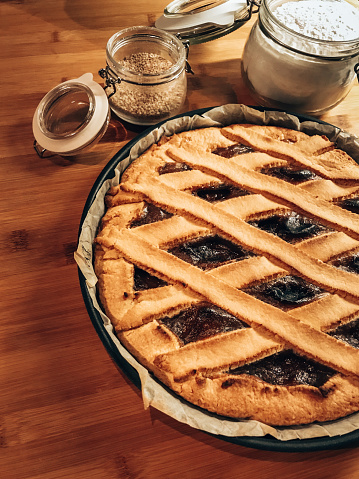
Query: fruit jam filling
{"points": [[287, 369], [291, 175], [290, 227], [151, 214], [173, 167], [233, 150], [219, 192], [349, 333], [210, 252], [143, 280], [286, 293], [350, 204], [201, 322], [348, 263]]}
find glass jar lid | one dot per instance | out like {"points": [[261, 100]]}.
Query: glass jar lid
{"points": [[199, 21], [71, 117]]}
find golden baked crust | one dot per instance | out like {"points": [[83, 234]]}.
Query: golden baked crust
{"points": [[204, 370]]}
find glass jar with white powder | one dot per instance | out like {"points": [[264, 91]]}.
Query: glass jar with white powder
{"points": [[300, 55], [145, 74]]}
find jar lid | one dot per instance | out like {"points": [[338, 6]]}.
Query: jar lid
{"points": [[71, 116], [199, 21]]}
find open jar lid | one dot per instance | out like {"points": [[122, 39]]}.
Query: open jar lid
{"points": [[71, 117], [199, 21]]}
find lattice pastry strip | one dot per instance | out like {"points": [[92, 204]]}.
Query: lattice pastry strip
{"points": [[255, 313], [239, 275], [278, 189], [332, 164], [164, 233], [271, 330], [249, 236]]}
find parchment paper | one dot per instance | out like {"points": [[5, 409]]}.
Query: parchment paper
{"points": [[153, 393]]}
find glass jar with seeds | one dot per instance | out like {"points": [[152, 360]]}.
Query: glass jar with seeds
{"points": [[145, 75]]}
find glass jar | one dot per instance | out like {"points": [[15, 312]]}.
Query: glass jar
{"points": [[145, 75], [71, 118], [290, 71]]}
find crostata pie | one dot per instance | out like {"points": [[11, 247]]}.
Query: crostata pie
{"points": [[228, 261]]}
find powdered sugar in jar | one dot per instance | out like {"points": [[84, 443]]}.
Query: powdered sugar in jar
{"points": [[300, 55]]}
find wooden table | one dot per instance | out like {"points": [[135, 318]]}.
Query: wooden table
{"points": [[65, 410]]}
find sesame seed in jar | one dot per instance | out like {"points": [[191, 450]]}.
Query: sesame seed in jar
{"points": [[147, 102], [146, 63]]}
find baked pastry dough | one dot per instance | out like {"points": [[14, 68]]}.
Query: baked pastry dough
{"points": [[227, 263]]}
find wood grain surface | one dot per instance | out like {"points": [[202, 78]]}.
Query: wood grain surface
{"points": [[66, 411]]}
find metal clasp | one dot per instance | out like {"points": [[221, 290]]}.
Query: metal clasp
{"points": [[40, 150], [111, 79], [251, 4], [188, 67]]}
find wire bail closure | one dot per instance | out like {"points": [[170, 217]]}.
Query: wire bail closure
{"points": [[188, 67], [40, 150], [251, 4], [110, 78]]}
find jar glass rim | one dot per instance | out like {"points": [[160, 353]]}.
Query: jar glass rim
{"points": [[51, 102], [191, 7], [144, 33], [342, 45]]}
